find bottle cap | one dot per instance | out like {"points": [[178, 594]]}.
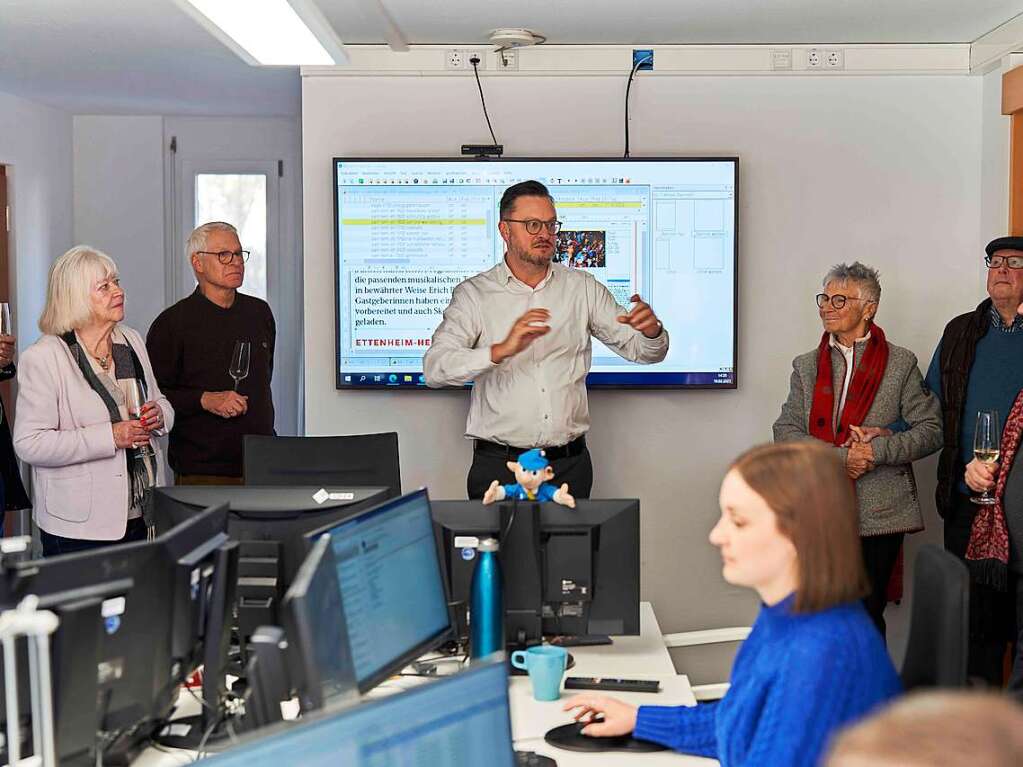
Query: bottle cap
{"points": [[489, 544]]}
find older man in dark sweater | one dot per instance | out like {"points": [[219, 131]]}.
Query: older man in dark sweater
{"points": [[191, 344]]}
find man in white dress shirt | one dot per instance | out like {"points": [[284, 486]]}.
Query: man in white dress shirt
{"points": [[521, 332]]}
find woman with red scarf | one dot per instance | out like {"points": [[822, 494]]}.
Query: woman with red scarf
{"points": [[844, 393]]}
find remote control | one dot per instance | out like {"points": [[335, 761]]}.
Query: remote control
{"points": [[615, 685]]}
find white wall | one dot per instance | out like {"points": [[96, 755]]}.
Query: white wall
{"points": [[35, 142], [883, 169], [119, 206], [127, 203]]}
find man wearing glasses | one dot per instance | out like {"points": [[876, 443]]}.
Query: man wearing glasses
{"points": [[977, 366], [521, 333], [191, 346]]}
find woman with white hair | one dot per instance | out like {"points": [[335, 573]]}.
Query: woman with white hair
{"points": [[91, 469], [845, 393]]}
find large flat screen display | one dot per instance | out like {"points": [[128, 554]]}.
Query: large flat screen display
{"points": [[409, 230]]}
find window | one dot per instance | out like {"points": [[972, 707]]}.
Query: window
{"points": [[239, 199]]}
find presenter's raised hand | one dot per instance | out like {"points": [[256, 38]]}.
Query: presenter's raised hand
{"points": [[619, 717], [527, 328], [642, 318]]}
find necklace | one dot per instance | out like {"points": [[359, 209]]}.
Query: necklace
{"points": [[104, 361]]}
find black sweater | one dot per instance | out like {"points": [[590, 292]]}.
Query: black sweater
{"points": [[190, 346]]}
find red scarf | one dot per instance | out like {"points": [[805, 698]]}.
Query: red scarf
{"points": [[988, 551], [866, 380]]}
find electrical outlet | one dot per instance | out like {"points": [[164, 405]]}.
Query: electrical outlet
{"points": [[454, 59], [481, 55], [781, 58], [814, 60], [646, 55], [834, 58], [507, 60]]}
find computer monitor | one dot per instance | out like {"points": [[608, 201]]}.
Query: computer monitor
{"points": [[320, 659], [566, 571], [457, 720], [134, 620], [392, 587], [111, 656], [269, 523]]}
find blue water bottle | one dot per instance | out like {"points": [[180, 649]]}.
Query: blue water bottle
{"points": [[486, 609]]}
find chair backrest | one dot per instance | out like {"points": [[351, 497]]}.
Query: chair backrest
{"points": [[356, 459], [939, 625]]}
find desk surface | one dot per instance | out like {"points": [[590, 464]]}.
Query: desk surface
{"points": [[640, 657]]}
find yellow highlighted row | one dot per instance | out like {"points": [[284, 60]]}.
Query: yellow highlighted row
{"points": [[414, 221], [599, 204]]}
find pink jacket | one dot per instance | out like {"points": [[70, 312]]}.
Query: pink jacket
{"points": [[79, 477]]}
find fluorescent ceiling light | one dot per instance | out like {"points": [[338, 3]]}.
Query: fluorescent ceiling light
{"points": [[271, 32]]}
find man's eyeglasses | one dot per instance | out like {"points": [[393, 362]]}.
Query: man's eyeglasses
{"points": [[534, 225], [837, 301], [225, 256], [995, 262]]}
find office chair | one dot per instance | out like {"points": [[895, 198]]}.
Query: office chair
{"points": [[355, 459], [939, 624]]}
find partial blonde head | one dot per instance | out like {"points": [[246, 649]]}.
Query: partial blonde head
{"points": [[72, 277]]}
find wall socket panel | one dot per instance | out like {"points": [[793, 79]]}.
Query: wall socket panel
{"points": [[507, 60], [825, 58], [456, 59]]}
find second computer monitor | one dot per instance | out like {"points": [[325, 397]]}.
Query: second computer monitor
{"points": [[454, 721], [392, 587]]}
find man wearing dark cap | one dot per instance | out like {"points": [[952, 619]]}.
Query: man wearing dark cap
{"points": [[977, 366]]}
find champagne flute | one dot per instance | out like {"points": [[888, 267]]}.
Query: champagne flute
{"points": [[6, 329], [987, 444], [135, 400], [239, 362]]}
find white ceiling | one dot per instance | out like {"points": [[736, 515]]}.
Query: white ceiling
{"points": [[150, 57]]}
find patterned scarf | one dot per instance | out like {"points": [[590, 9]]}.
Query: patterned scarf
{"points": [[866, 380], [141, 468], [987, 554]]}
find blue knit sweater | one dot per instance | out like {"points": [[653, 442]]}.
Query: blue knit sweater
{"points": [[796, 680]]}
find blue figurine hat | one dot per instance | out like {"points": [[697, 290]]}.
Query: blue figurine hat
{"points": [[533, 460]]}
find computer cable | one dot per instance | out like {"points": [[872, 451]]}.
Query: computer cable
{"points": [[475, 61], [628, 87]]}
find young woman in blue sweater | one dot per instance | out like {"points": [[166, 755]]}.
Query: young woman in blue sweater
{"points": [[814, 661]]}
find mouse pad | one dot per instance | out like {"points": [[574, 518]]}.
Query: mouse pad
{"points": [[570, 738]]}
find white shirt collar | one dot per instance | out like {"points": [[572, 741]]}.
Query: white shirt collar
{"points": [[835, 343]]}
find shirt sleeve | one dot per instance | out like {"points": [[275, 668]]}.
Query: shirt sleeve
{"points": [[453, 358], [165, 345], [688, 729], [625, 341]]}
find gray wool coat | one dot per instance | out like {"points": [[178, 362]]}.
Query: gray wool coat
{"points": [[887, 495]]}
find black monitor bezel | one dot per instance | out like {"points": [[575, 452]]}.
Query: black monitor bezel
{"points": [[339, 384], [432, 642]]}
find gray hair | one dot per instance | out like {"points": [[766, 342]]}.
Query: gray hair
{"points": [[867, 278], [197, 239], [67, 291]]}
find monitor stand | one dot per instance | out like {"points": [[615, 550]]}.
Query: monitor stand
{"points": [[570, 738]]}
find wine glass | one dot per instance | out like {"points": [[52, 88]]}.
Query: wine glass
{"points": [[240, 362], [987, 442], [136, 398], [6, 329]]}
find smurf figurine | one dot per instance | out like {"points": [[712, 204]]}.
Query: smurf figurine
{"points": [[531, 471]]}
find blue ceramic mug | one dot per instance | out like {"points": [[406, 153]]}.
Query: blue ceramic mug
{"points": [[545, 666]]}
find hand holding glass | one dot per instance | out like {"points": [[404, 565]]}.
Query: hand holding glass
{"points": [[987, 441], [239, 362], [136, 401]]}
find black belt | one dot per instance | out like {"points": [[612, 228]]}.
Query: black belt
{"points": [[575, 447]]}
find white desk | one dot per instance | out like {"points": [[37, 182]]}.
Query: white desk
{"points": [[641, 657]]}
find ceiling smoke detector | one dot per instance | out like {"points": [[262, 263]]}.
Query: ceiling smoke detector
{"points": [[503, 39]]}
